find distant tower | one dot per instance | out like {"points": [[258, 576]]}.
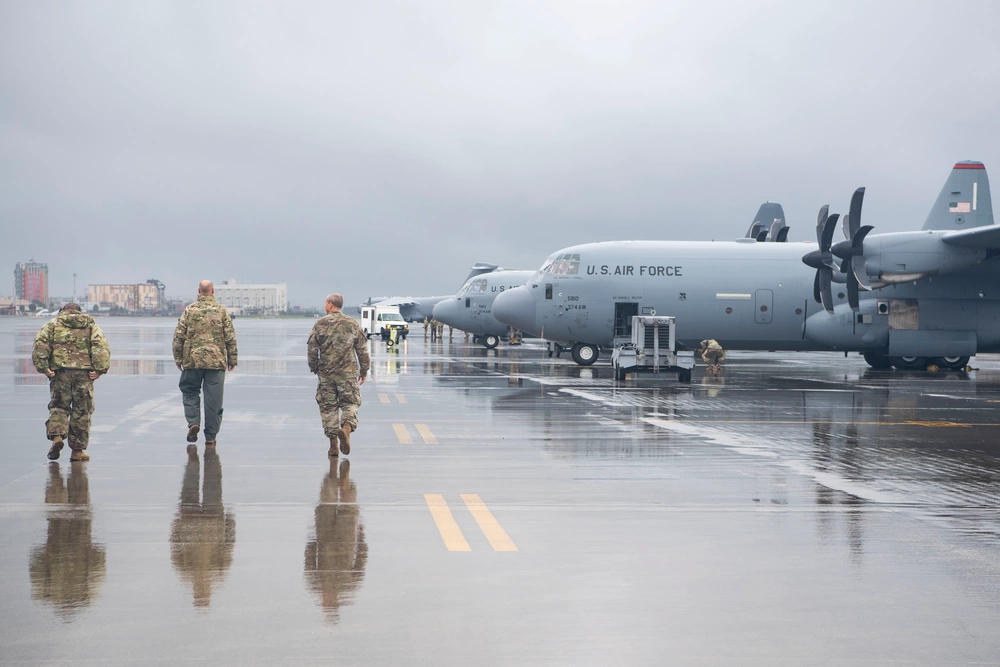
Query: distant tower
{"points": [[31, 281]]}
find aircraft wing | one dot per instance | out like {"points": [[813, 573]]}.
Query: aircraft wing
{"points": [[986, 237]]}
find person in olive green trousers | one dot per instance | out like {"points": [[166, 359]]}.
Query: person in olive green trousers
{"points": [[204, 348]]}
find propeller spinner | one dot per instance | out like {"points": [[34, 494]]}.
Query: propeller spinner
{"points": [[822, 259]]}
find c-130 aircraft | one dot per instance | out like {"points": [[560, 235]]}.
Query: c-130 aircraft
{"points": [[903, 299]]}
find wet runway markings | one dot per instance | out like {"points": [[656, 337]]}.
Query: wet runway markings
{"points": [[450, 532], [452, 535], [401, 399], [942, 424], [426, 434], [384, 398], [498, 537], [401, 434]]}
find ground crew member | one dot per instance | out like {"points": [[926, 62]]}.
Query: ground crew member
{"points": [[204, 347], [72, 352], [450, 331], [712, 354], [434, 329], [338, 354], [425, 328]]}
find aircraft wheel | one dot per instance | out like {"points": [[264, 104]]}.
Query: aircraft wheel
{"points": [[909, 363], [490, 341], [951, 363], [684, 375], [620, 374], [585, 354], [879, 362]]}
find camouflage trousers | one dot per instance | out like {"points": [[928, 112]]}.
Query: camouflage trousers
{"points": [[339, 399], [70, 407]]}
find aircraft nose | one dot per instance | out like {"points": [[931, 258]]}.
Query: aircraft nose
{"points": [[447, 312], [516, 307]]}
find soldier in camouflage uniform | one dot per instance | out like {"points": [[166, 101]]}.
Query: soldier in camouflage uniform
{"points": [[72, 352], [338, 354], [204, 347]]}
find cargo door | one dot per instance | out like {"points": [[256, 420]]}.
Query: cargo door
{"points": [[624, 311], [764, 305]]}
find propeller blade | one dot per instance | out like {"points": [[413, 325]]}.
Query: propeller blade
{"points": [[827, 238], [858, 241], [852, 292], [816, 291], [860, 272], [826, 293], [782, 235], [857, 199], [824, 211], [845, 225]]}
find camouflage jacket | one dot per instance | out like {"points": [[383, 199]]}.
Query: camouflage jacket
{"points": [[71, 340], [205, 337], [337, 346]]}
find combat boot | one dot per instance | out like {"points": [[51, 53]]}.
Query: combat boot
{"points": [[210, 443], [57, 445], [79, 455], [344, 435], [193, 432], [333, 453]]}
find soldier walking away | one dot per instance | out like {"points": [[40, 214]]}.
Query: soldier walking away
{"points": [[204, 347], [712, 354], [338, 354], [72, 352]]}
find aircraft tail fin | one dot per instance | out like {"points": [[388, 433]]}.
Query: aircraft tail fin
{"points": [[769, 223], [964, 201], [479, 268]]}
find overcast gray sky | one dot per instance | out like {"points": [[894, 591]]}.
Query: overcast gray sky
{"points": [[383, 148]]}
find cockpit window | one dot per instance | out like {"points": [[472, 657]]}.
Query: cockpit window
{"points": [[477, 286], [566, 264]]}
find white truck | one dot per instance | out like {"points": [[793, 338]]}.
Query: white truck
{"points": [[379, 320]]}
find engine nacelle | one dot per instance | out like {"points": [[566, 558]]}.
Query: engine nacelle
{"points": [[900, 257]]}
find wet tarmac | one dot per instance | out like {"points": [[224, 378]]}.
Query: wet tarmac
{"points": [[503, 508]]}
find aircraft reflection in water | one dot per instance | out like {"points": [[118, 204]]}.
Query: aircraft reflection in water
{"points": [[68, 570], [204, 533], [335, 558]]}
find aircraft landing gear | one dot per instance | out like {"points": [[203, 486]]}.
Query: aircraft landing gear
{"points": [[585, 354], [490, 341], [879, 362], [951, 363], [909, 363]]}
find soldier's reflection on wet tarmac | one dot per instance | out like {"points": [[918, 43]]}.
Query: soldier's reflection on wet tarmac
{"points": [[203, 532], [68, 570], [336, 555]]}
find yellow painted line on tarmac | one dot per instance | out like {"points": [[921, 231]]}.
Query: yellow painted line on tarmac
{"points": [[401, 399], [794, 422], [940, 424], [384, 398], [426, 434], [450, 532], [401, 434], [488, 523]]}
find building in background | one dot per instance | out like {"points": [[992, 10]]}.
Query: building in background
{"points": [[136, 298], [252, 299], [31, 282]]}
